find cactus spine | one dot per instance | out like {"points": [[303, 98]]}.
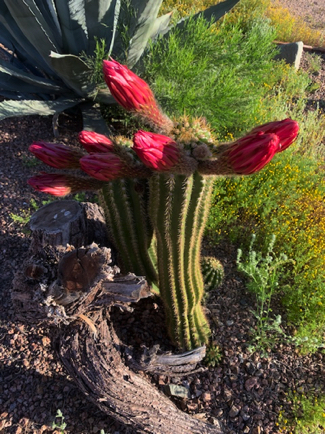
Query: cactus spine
{"points": [[178, 207]]}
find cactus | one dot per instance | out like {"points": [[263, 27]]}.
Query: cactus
{"points": [[132, 234], [213, 272], [156, 193]]}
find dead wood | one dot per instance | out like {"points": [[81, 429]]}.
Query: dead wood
{"points": [[76, 287]]}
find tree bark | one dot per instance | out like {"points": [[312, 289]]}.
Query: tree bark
{"points": [[76, 287]]}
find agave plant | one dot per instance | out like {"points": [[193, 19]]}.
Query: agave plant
{"points": [[44, 42], [156, 191]]}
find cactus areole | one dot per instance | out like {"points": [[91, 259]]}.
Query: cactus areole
{"points": [[156, 191]]}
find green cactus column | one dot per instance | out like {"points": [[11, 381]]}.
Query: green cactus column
{"points": [[178, 207], [125, 203]]}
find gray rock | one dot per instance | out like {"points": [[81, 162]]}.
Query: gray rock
{"points": [[291, 53], [175, 390]]}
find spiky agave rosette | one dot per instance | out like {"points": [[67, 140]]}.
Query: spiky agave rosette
{"points": [[156, 191]]}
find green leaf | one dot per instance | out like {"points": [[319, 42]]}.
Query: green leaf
{"points": [[74, 72], [143, 31], [33, 107]]}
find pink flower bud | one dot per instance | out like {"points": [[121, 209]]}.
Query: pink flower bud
{"points": [[103, 166], [56, 155], [94, 142], [129, 90], [156, 151], [61, 184], [287, 131], [134, 94], [251, 153]]}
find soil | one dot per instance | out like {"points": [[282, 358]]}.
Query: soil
{"points": [[245, 391]]}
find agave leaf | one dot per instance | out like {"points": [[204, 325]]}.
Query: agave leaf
{"points": [[9, 71], [33, 107], [219, 10], [216, 12], [48, 10], [4, 54], [74, 73], [93, 120], [161, 25], [102, 17], [8, 82], [33, 25], [143, 31], [14, 39], [104, 96], [14, 95], [73, 25]]}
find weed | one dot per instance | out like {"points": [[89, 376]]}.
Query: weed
{"points": [[25, 214], [264, 274], [95, 62], [307, 413], [30, 161], [22, 219], [314, 62], [213, 355], [59, 423]]}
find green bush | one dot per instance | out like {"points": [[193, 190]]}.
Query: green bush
{"points": [[215, 69], [227, 72]]}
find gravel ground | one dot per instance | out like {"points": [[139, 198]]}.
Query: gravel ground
{"points": [[245, 391]]}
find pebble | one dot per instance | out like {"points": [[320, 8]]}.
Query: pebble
{"points": [[250, 383], [234, 411], [206, 396]]}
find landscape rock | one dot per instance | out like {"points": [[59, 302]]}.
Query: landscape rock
{"points": [[178, 391], [291, 53]]}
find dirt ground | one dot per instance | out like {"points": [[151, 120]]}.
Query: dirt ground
{"points": [[312, 11], [245, 391]]}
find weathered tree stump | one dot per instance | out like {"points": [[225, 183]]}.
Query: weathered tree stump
{"points": [[76, 287]]}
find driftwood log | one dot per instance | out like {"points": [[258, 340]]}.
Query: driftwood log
{"points": [[64, 283]]}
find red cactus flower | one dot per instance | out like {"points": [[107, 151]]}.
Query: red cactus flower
{"points": [[251, 153], [59, 184], [103, 166], [94, 142], [156, 151], [134, 94], [287, 131], [56, 155]]}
